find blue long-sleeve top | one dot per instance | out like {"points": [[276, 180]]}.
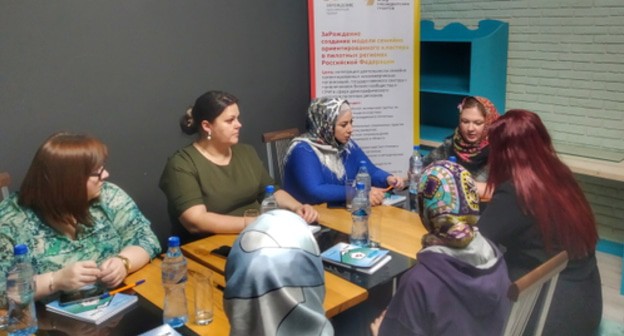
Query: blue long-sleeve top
{"points": [[308, 180]]}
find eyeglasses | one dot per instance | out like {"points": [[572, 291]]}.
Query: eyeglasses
{"points": [[98, 174]]}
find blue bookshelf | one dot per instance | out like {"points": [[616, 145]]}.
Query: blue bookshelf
{"points": [[456, 62]]}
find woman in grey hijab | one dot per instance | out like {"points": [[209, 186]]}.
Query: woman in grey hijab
{"points": [[275, 283], [319, 162]]}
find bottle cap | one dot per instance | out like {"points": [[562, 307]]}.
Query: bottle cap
{"points": [[269, 189], [416, 147], [20, 249], [360, 186], [174, 241], [452, 158]]}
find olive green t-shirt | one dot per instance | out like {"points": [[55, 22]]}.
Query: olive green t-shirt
{"points": [[190, 179]]}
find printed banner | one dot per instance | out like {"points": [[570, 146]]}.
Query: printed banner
{"points": [[367, 51]]}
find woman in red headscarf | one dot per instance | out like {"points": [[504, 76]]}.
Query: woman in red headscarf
{"points": [[469, 144]]}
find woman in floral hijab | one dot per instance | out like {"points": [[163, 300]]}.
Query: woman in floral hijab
{"points": [[469, 143], [460, 283], [319, 162]]}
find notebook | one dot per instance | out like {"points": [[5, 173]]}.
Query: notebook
{"points": [[361, 259], [163, 330], [393, 199], [95, 311]]}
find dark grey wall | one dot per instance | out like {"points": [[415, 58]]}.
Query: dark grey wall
{"points": [[125, 71]]}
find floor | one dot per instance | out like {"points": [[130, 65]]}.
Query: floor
{"points": [[610, 267]]}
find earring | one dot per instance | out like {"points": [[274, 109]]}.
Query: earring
{"points": [[209, 137]]}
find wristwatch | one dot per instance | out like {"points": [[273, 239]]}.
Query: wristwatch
{"points": [[125, 261]]}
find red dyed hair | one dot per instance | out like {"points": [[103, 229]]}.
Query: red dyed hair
{"points": [[522, 151]]}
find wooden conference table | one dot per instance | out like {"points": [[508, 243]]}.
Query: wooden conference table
{"points": [[340, 294], [144, 316], [401, 231], [153, 291]]}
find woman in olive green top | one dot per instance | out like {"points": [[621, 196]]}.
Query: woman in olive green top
{"points": [[211, 182]]}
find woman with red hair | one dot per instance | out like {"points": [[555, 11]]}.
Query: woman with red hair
{"points": [[537, 210]]}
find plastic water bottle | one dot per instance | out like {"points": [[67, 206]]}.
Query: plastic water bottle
{"points": [[360, 210], [363, 176], [174, 277], [269, 202], [4, 304], [21, 294], [414, 172]]}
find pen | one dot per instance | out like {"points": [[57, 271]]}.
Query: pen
{"points": [[121, 289]]}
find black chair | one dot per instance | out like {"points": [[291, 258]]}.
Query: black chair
{"points": [[278, 141]]}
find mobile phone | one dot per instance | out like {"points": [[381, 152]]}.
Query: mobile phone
{"points": [[222, 251], [86, 293], [327, 238]]}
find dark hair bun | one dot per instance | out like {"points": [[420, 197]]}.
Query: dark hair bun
{"points": [[187, 123]]}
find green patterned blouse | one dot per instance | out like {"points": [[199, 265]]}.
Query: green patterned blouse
{"points": [[117, 223]]}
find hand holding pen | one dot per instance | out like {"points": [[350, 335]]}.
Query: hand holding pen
{"points": [[395, 182]]}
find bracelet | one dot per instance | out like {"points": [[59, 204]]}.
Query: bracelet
{"points": [[51, 283], [125, 261]]}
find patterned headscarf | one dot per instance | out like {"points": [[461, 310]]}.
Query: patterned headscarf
{"points": [[450, 204], [322, 115], [275, 282], [475, 154]]}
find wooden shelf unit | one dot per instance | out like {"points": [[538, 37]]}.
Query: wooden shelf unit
{"points": [[456, 62]]}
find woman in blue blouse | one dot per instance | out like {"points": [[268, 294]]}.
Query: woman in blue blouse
{"points": [[318, 163], [79, 229]]}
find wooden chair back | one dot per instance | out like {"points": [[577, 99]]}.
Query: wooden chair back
{"points": [[277, 143], [5, 181], [524, 293]]}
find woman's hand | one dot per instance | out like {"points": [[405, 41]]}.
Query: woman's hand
{"points": [[308, 213], [485, 195], [77, 275], [376, 196], [396, 182], [374, 327], [113, 272]]}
